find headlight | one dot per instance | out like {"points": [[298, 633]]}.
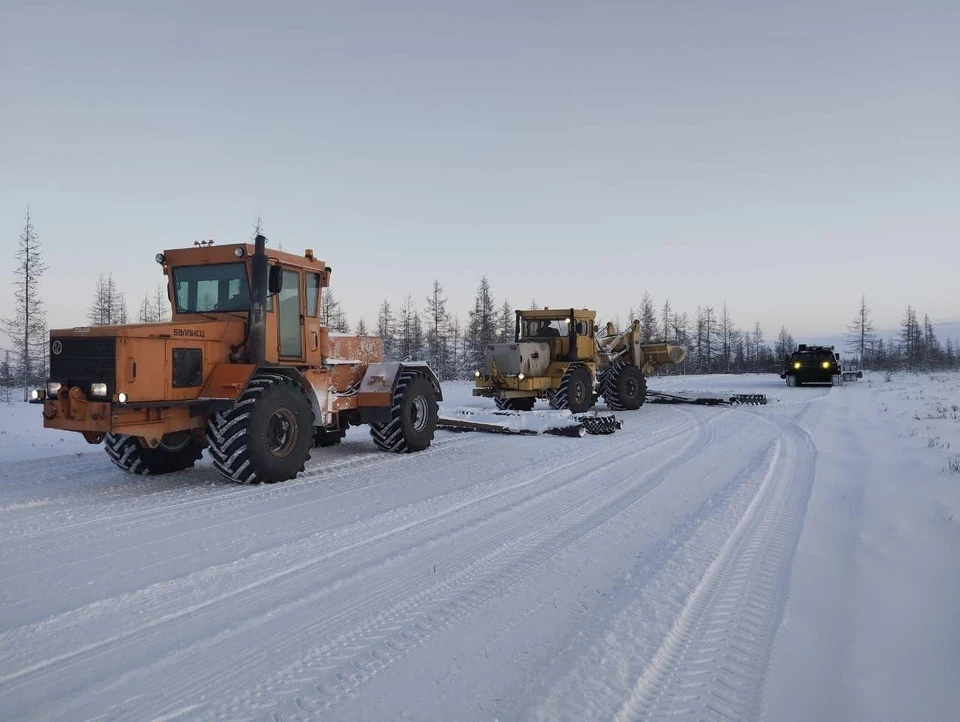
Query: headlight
{"points": [[477, 374], [159, 258], [98, 389], [520, 376], [796, 365], [826, 364], [34, 395], [238, 251], [122, 397], [52, 388]]}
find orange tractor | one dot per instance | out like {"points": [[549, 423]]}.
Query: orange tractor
{"points": [[245, 368]]}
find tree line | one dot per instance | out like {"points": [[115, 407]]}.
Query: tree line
{"points": [[454, 345]]}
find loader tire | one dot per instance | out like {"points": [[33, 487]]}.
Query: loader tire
{"points": [[176, 452], [413, 413], [599, 424], [624, 387], [521, 404], [267, 436], [575, 391]]}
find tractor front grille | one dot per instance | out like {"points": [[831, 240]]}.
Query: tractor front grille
{"points": [[80, 362]]}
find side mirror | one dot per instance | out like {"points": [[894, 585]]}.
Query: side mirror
{"points": [[275, 280]]}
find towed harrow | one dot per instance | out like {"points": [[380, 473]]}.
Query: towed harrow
{"points": [[655, 397], [565, 423], [529, 423]]}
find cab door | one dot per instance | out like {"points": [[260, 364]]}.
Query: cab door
{"points": [[290, 316]]}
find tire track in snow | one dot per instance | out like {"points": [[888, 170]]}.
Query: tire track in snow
{"points": [[215, 493], [323, 530], [713, 661], [485, 545], [486, 569], [432, 530]]}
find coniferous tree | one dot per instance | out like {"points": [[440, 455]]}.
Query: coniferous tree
{"points": [[506, 322], [728, 337], [707, 348], [331, 313], [649, 327], [438, 339], [7, 379], [757, 344], [161, 304], [457, 362], [361, 329], [666, 316], [482, 329], [785, 346], [27, 327], [147, 312], [386, 331], [408, 331], [911, 339], [930, 345], [860, 333], [109, 307]]}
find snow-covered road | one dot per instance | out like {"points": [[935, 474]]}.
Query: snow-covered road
{"points": [[793, 561]]}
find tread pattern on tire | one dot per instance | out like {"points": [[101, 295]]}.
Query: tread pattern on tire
{"points": [[227, 431], [389, 436], [560, 398], [598, 424], [609, 387], [130, 455]]}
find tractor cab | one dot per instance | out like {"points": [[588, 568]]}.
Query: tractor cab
{"points": [[561, 328]]}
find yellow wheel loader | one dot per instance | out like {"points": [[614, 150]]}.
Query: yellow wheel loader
{"points": [[564, 357]]}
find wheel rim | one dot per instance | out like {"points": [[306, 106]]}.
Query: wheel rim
{"points": [[418, 413], [577, 394], [631, 388], [282, 433]]}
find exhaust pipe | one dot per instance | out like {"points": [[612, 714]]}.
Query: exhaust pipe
{"points": [[257, 324]]}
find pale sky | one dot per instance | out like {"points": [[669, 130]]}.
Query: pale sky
{"points": [[782, 157]]}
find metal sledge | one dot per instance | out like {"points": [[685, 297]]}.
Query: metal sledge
{"points": [[655, 397], [529, 423]]}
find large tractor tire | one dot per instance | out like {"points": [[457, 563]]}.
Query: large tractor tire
{"points": [[575, 391], [623, 387], [521, 404], [176, 452], [267, 436], [413, 416]]}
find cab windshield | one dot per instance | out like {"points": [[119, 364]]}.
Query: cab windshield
{"points": [[211, 288], [813, 358], [543, 328]]}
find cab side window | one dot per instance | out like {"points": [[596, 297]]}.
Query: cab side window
{"points": [[313, 292]]}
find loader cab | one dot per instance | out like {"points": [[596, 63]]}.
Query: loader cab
{"points": [[562, 328]]}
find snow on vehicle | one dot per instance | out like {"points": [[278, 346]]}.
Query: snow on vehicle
{"points": [[245, 368]]}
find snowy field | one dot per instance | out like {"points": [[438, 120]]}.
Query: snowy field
{"points": [[797, 561]]}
